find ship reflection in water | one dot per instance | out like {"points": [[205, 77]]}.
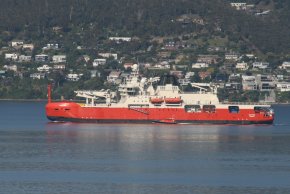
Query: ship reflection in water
{"points": [[166, 158]]}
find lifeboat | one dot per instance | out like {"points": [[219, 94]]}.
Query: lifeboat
{"points": [[173, 100], [156, 100]]}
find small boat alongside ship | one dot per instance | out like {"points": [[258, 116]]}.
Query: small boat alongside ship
{"points": [[141, 101]]}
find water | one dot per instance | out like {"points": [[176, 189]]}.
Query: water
{"points": [[37, 156]]}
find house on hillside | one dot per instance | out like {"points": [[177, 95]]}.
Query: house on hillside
{"points": [[260, 65], [41, 58], [10, 67], [59, 59], [108, 55], [17, 43], [232, 56], [199, 65], [285, 65], [99, 61], [73, 77], [24, 58], [249, 83], [44, 68], [59, 66], [11, 56], [37, 75], [114, 77], [28, 47], [242, 66], [209, 59]]}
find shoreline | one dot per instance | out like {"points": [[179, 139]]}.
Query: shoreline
{"points": [[24, 100], [44, 100]]}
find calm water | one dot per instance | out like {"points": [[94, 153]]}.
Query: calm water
{"points": [[37, 156]]}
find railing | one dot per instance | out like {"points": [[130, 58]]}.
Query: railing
{"points": [[248, 103]]}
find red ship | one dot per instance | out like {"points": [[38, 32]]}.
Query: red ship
{"points": [[138, 101]]}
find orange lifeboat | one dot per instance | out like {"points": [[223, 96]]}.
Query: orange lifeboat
{"points": [[156, 100], [173, 100]]}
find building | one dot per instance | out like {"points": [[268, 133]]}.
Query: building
{"points": [[209, 59], [260, 65], [37, 75], [17, 43], [249, 83], [232, 56], [108, 55], [98, 62], [283, 86], [28, 46], [242, 66], [121, 39], [199, 65], [51, 46], [204, 74], [44, 68], [41, 58], [128, 65], [285, 65], [239, 6], [24, 58], [11, 56], [11, 67], [113, 77], [266, 82], [73, 76], [59, 59], [59, 66]]}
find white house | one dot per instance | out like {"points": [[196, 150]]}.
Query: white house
{"points": [[118, 39], [231, 56], [24, 58], [249, 82], [59, 66], [285, 65], [108, 55], [59, 59], [199, 65], [98, 62], [242, 66], [44, 68], [73, 76], [113, 76], [11, 56], [41, 58], [17, 43], [52, 46], [11, 67], [283, 86], [37, 75], [28, 46], [260, 65], [239, 6]]}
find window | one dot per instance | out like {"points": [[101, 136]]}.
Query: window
{"points": [[259, 109], [234, 109], [192, 108], [208, 108]]}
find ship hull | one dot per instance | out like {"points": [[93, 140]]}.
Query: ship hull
{"points": [[73, 112]]}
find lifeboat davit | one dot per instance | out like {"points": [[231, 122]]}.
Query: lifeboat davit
{"points": [[173, 100], [156, 100]]}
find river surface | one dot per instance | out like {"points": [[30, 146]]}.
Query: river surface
{"points": [[37, 156]]}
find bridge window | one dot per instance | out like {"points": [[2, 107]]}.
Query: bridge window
{"points": [[192, 108], [234, 109], [208, 108]]}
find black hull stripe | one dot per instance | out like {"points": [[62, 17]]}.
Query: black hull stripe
{"points": [[221, 122]]}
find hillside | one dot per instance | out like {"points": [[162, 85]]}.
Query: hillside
{"points": [[87, 21]]}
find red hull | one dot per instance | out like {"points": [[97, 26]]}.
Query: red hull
{"points": [[70, 111]]}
